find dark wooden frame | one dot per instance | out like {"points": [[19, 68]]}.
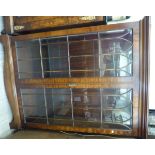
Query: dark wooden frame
{"points": [[144, 73], [135, 82], [8, 25]]}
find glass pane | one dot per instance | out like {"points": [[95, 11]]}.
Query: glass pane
{"points": [[101, 54], [106, 108], [84, 66], [116, 53], [53, 40], [83, 50], [29, 69], [59, 106], [32, 97], [36, 111], [56, 67], [85, 47], [29, 59], [28, 49], [117, 108], [99, 108], [56, 47], [55, 57], [34, 105], [87, 107]]}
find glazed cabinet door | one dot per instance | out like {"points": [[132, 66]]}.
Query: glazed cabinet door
{"points": [[107, 108], [83, 79], [100, 54]]}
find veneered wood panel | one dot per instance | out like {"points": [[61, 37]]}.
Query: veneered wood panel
{"points": [[82, 130], [74, 19], [30, 23]]}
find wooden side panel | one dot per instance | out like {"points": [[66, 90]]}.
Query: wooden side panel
{"points": [[144, 75], [9, 80]]}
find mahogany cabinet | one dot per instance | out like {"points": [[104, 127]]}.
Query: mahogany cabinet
{"points": [[82, 79]]}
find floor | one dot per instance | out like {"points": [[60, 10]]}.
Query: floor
{"points": [[44, 134]]}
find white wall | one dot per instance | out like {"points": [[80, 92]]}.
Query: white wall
{"points": [[5, 111], [1, 24]]}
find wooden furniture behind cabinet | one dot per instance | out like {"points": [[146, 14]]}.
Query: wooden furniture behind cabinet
{"points": [[82, 79], [31, 24]]}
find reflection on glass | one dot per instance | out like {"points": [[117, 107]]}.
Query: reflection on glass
{"points": [[117, 108], [28, 49], [56, 67], [55, 57], [33, 105], [28, 56], [99, 108], [59, 106], [87, 105], [116, 53], [30, 69], [101, 54]]}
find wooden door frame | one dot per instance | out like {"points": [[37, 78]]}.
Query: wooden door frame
{"points": [[9, 82]]}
